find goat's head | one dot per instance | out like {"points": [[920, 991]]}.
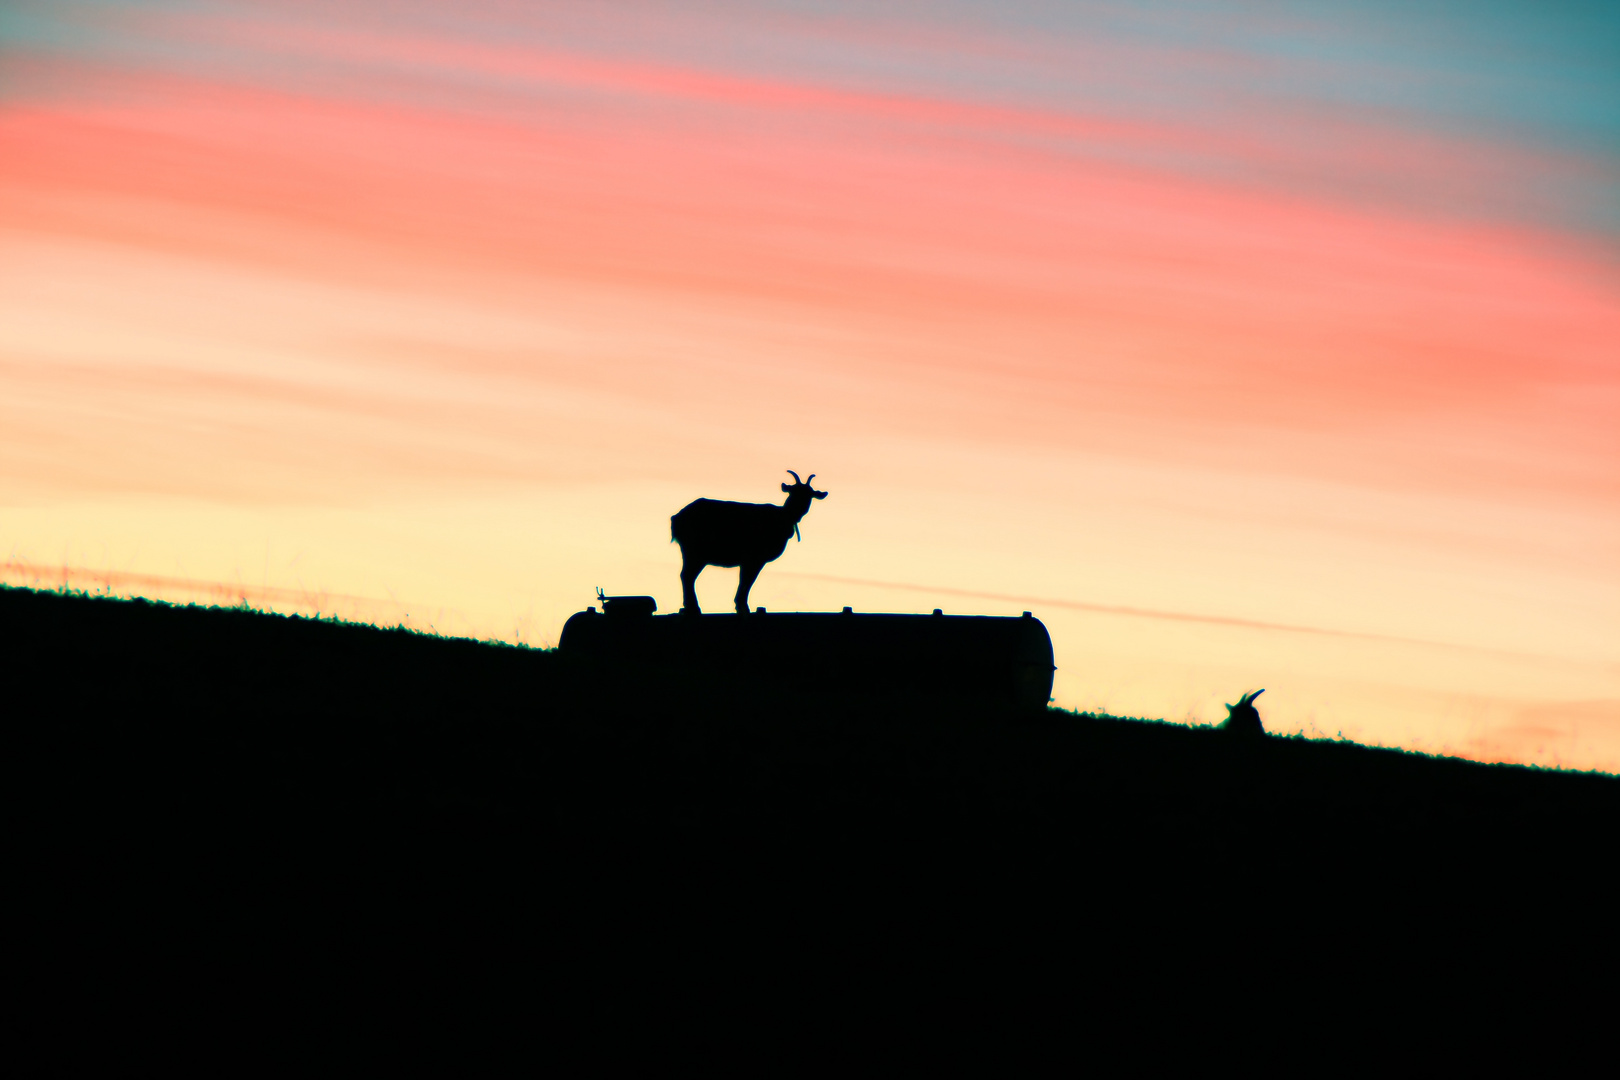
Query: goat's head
{"points": [[1243, 717], [802, 489]]}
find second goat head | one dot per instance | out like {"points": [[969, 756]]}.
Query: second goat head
{"points": [[1243, 718]]}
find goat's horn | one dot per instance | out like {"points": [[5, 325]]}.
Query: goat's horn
{"points": [[795, 476], [812, 477]]}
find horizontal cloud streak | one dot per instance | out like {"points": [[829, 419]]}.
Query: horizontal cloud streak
{"points": [[1330, 315], [1145, 613], [1298, 104]]}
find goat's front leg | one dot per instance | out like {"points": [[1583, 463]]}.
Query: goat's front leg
{"points": [[746, 574], [690, 569]]}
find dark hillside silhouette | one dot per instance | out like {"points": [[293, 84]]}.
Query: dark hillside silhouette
{"points": [[745, 535], [191, 779]]}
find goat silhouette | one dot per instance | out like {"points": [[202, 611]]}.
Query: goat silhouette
{"points": [[1243, 718], [745, 535]]}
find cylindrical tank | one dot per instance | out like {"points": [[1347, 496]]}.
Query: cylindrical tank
{"points": [[1006, 660]]}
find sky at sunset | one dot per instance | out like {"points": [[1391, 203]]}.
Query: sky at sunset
{"points": [[1246, 344]]}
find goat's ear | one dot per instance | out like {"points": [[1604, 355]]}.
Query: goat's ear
{"points": [[786, 488], [818, 494]]}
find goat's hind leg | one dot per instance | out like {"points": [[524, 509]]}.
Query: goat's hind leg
{"points": [[690, 569]]}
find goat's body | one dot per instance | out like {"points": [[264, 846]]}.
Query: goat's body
{"points": [[731, 533], [712, 532]]}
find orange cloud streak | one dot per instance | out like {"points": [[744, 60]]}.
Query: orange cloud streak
{"points": [[1076, 288]]}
